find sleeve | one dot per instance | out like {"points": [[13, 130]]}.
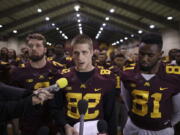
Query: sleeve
{"points": [[57, 109], [176, 109], [110, 112], [14, 109], [125, 96], [13, 93]]}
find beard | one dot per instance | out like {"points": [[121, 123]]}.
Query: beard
{"points": [[147, 68], [36, 58]]}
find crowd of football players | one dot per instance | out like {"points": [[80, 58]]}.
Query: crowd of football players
{"points": [[38, 67]]}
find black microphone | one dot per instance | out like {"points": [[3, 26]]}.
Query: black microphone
{"points": [[60, 84], [102, 127], [82, 108]]}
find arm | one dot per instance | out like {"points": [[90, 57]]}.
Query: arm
{"points": [[110, 112], [176, 109], [125, 96]]}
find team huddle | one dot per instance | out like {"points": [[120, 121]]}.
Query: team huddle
{"points": [[147, 88]]}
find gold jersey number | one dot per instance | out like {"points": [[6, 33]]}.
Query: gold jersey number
{"points": [[73, 99], [140, 103]]}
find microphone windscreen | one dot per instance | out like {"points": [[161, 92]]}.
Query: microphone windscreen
{"points": [[62, 83], [102, 126], [82, 106]]}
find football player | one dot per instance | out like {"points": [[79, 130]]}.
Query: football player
{"points": [[148, 91], [97, 86], [37, 73]]}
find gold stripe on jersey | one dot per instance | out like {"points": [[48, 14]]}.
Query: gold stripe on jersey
{"points": [[66, 70], [57, 64], [105, 72], [173, 69]]}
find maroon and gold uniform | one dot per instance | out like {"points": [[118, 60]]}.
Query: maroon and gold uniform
{"points": [[150, 101], [98, 90], [31, 78]]}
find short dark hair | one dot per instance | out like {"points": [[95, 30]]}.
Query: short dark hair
{"points": [[37, 36], [80, 39], [152, 38]]}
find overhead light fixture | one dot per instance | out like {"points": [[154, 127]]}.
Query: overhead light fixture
{"points": [[80, 28], [99, 32], [126, 38], [169, 18], [121, 40], [101, 28], [117, 42], [112, 10], [60, 31], [151, 26], [76, 7], [39, 10], [78, 20], [104, 24], [107, 18], [57, 28], [14, 31], [1, 26], [140, 31], [132, 35], [47, 18], [53, 24], [78, 15], [79, 24]]}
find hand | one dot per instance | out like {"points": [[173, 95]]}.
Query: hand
{"points": [[70, 130], [40, 96]]}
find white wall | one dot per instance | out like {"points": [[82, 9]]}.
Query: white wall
{"points": [[12, 44], [171, 39]]}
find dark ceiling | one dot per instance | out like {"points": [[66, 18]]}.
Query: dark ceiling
{"points": [[129, 17]]}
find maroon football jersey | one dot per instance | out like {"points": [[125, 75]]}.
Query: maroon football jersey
{"points": [[30, 78], [150, 101], [98, 90]]}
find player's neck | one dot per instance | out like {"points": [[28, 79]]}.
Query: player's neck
{"points": [[39, 64], [154, 69], [88, 69]]}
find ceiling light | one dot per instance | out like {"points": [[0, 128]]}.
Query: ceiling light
{"points": [[76, 7], [107, 18], [152, 26], [140, 31], [14, 31], [126, 38], [57, 28], [112, 10], [79, 20], [104, 24], [79, 24], [117, 42], [121, 40], [1, 26], [39, 10], [101, 28], [169, 18], [47, 18], [78, 15], [53, 24], [63, 34], [60, 31], [132, 35]]}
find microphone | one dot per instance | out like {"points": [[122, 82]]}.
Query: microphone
{"points": [[102, 127], [60, 84], [82, 108]]}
